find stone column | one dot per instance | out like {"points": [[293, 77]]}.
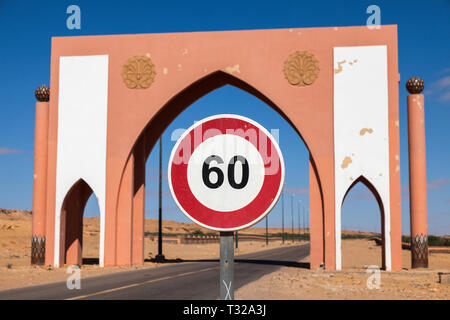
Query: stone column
{"points": [[417, 173], [40, 176]]}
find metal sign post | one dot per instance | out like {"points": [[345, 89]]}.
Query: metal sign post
{"points": [[267, 230], [226, 266]]}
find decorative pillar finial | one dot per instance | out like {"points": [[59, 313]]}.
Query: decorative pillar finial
{"points": [[415, 85], [42, 93]]}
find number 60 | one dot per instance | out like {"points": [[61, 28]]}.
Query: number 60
{"points": [[206, 172]]}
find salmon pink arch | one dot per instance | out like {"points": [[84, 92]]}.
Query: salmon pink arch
{"points": [[177, 104], [113, 96]]}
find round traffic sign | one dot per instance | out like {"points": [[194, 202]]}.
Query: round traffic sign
{"points": [[226, 172]]}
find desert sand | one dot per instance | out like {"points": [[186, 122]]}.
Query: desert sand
{"points": [[351, 283]]}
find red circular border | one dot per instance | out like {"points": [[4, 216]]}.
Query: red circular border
{"points": [[219, 219]]}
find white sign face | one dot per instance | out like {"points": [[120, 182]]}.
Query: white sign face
{"points": [[226, 172], [229, 187]]}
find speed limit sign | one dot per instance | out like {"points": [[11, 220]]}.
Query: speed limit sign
{"points": [[226, 172]]}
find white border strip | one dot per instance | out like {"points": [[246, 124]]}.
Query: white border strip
{"points": [[82, 134]]}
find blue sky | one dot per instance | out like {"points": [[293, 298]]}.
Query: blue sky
{"points": [[26, 28]]}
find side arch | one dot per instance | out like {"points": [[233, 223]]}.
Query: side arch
{"points": [[71, 224], [129, 211], [381, 206]]}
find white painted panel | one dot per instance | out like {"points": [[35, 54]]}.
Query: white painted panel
{"points": [[361, 127], [82, 121]]}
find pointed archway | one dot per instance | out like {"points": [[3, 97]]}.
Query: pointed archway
{"points": [[130, 211], [364, 181], [71, 222]]}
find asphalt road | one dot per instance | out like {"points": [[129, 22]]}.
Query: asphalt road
{"points": [[196, 280]]}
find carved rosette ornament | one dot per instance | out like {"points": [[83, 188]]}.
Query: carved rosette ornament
{"points": [[301, 68], [138, 72]]}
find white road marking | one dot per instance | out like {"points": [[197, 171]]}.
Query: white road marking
{"points": [[139, 284]]}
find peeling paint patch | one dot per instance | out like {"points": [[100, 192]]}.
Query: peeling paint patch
{"points": [[397, 157], [397, 168], [165, 71], [232, 69], [397, 123], [299, 33], [180, 67], [351, 178], [346, 162], [206, 70], [339, 69], [336, 29], [365, 130], [185, 51], [148, 55], [290, 30]]}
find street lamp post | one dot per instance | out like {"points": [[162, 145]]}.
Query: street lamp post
{"points": [[307, 220], [299, 226], [160, 257], [292, 214], [282, 216], [304, 215]]}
